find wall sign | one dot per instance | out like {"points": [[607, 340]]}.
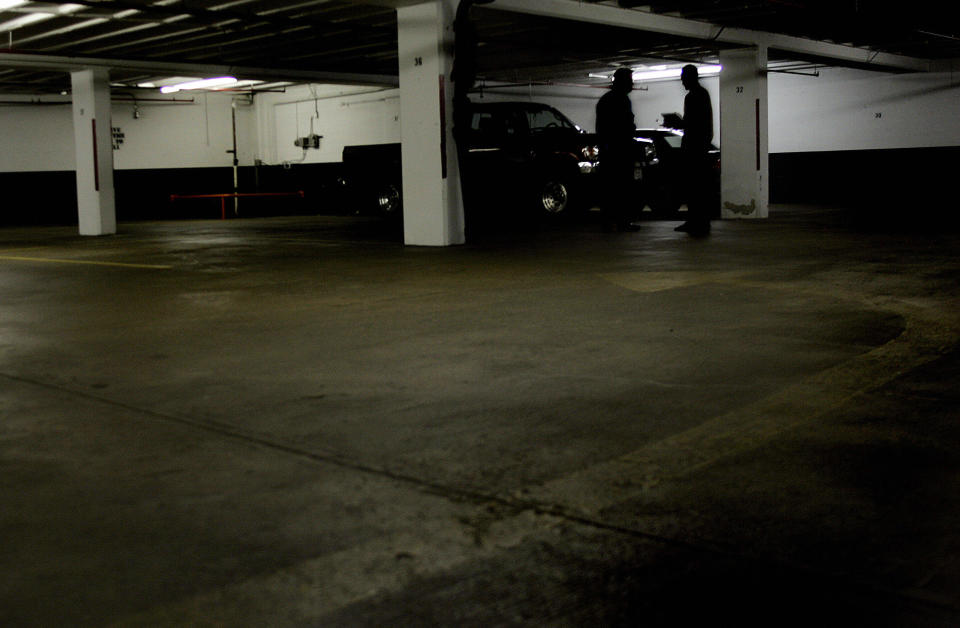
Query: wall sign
{"points": [[118, 137]]}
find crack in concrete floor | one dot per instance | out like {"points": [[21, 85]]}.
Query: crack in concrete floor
{"points": [[490, 523]]}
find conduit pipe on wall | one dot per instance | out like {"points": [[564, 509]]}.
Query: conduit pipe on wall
{"points": [[369, 101], [32, 103], [334, 96], [236, 160]]}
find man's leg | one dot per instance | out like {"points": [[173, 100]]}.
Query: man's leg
{"points": [[626, 199], [701, 193], [688, 183], [696, 179]]}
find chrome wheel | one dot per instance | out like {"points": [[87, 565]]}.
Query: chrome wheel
{"points": [[555, 197], [389, 199]]}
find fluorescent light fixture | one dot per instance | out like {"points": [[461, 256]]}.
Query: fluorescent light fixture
{"points": [[47, 9], [44, 12], [211, 83], [26, 20], [662, 72], [248, 84], [674, 73]]}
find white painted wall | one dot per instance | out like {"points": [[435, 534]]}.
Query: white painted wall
{"points": [[342, 115], [836, 111], [194, 135], [191, 135], [35, 138]]}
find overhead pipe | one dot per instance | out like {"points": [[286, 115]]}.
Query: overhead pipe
{"points": [[173, 101], [504, 87], [487, 88], [38, 61], [48, 103]]}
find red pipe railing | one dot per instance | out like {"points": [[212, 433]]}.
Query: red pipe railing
{"points": [[223, 197]]}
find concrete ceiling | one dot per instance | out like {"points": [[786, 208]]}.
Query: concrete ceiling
{"points": [[356, 41]]}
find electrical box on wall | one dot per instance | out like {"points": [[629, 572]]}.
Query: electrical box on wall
{"points": [[310, 141]]}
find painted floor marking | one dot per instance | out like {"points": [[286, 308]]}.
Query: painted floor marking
{"points": [[50, 260]]}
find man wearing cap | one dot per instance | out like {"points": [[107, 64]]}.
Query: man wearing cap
{"points": [[615, 129]]}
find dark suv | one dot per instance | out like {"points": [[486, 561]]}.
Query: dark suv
{"points": [[516, 151], [531, 150]]}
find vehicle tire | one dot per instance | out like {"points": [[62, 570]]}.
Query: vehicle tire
{"points": [[554, 197], [390, 200], [665, 204]]}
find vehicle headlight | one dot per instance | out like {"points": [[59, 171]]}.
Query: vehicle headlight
{"points": [[650, 154]]}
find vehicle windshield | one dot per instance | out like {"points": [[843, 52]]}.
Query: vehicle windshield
{"points": [[673, 140], [540, 120]]}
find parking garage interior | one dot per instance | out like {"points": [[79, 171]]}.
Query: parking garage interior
{"points": [[234, 394]]}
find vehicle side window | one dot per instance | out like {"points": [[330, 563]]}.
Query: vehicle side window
{"points": [[492, 127], [515, 125], [485, 126], [542, 119]]}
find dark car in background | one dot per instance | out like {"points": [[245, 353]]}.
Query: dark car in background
{"points": [[518, 153], [665, 188], [372, 180], [534, 152]]}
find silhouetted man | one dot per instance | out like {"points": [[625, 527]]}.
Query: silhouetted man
{"points": [[465, 52], [464, 75], [697, 125], [615, 129]]}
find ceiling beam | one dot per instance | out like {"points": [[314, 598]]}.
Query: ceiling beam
{"points": [[72, 64], [704, 31]]}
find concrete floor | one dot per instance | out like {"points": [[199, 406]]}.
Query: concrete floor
{"points": [[299, 422]]}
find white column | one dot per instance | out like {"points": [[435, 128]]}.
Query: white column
{"points": [[744, 178], [94, 152], [432, 203]]}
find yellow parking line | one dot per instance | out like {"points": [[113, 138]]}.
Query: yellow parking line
{"points": [[48, 260]]}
